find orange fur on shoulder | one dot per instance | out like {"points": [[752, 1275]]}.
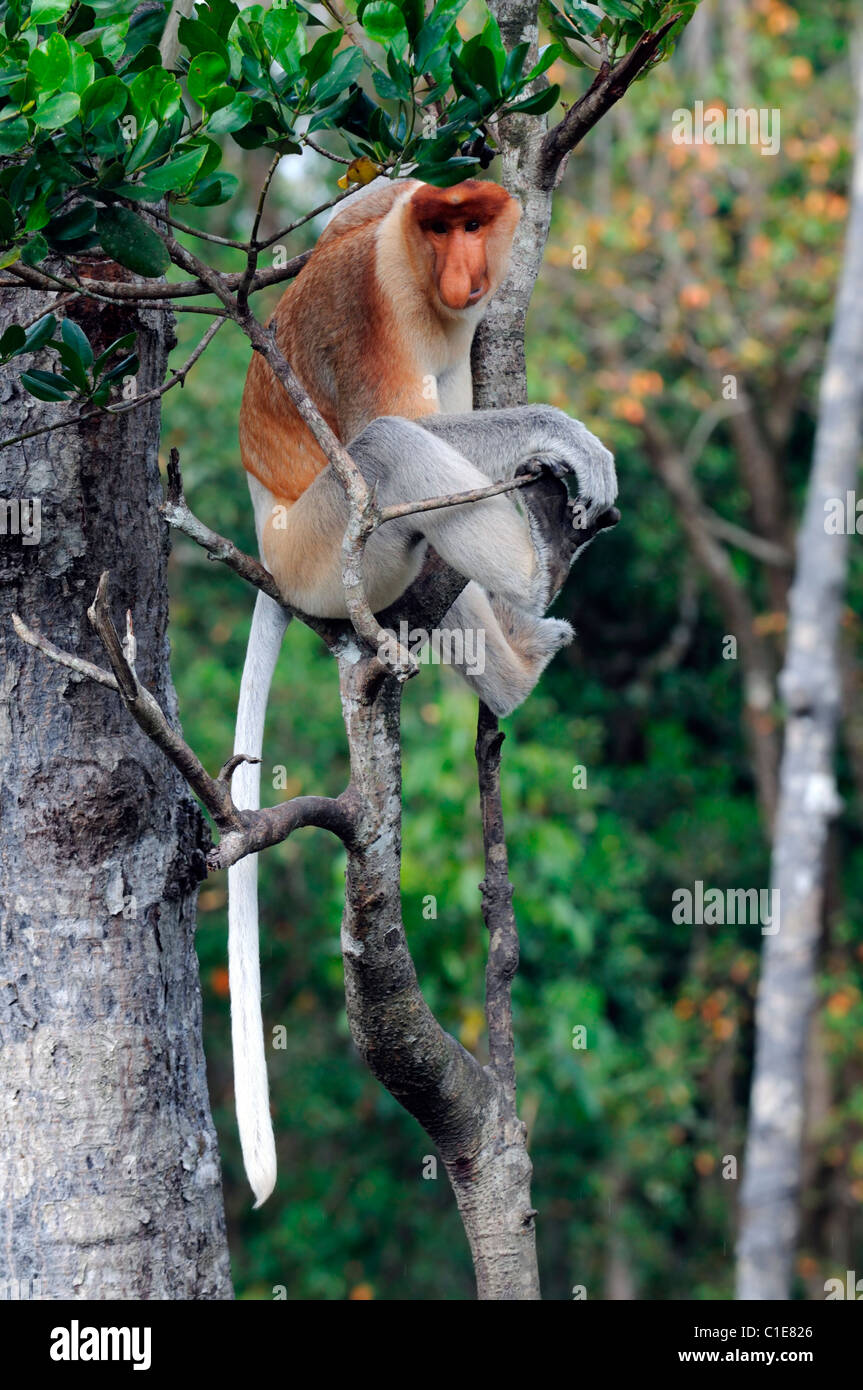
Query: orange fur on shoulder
{"points": [[363, 325]]}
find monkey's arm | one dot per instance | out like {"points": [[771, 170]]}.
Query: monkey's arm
{"points": [[498, 442]]}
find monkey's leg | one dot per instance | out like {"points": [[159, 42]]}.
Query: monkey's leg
{"points": [[500, 650], [488, 541], [499, 442]]}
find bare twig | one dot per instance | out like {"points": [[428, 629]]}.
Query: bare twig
{"points": [[148, 715], [327, 154], [609, 85], [758, 546], [454, 499], [177, 378], [66, 422], [307, 217], [122, 408], [252, 253], [74, 663], [178, 514], [193, 231], [241, 832], [114, 292]]}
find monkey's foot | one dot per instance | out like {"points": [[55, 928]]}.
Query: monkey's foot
{"points": [[560, 526]]}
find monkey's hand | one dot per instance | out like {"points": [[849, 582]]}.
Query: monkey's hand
{"points": [[560, 526], [564, 448]]}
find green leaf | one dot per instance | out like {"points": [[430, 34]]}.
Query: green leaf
{"points": [[7, 222], [345, 69], [197, 37], [50, 63], [145, 142], [385, 23], [73, 224], [75, 338], [81, 70], [12, 341], [105, 101], [586, 20], [444, 174], [484, 69], [547, 56], [145, 87], [48, 11], [75, 371], [280, 26], [435, 30], [206, 71], [45, 386], [177, 172], [39, 333], [109, 7], [386, 89], [54, 112], [38, 215], [128, 366], [35, 250], [514, 64], [414, 15], [221, 15], [128, 240], [212, 153], [618, 10], [539, 102], [119, 345], [217, 188], [231, 117], [316, 62], [112, 40], [13, 135]]}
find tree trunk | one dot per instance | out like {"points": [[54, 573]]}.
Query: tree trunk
{"points": [[811, 687], [468, 1110], [109, 1170]]}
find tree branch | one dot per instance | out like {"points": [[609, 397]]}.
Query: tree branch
{"points": [[609, 85], [117, 292]]}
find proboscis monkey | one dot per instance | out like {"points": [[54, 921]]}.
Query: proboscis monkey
{"points": [[378, 327]]}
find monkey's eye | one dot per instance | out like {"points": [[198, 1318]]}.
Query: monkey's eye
{"points": [[439, 228], [472, 226]]}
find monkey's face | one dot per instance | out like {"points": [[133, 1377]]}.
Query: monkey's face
{"points": [[467, 234]]}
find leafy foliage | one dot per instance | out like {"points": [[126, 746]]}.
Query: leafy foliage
{"points": [[610, 29], [83, 376], [90, 120], [627, 1136]]}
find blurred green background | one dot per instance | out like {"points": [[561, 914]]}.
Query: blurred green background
{"points": [[700, 262]]}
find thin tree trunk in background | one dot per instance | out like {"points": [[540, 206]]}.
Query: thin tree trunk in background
{"points": [[109, 1171], [811, 687]]}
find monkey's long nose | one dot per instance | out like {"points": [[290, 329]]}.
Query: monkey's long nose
{"points": [[462, 282]]}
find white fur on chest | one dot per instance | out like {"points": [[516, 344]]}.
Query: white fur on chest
{"points": [[455, 389]]}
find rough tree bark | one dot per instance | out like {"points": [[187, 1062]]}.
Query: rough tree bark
{"points": [[468, 1110], [811, 687], [109, 1169]]}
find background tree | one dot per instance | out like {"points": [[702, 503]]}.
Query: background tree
{"points": [[96, 133]]}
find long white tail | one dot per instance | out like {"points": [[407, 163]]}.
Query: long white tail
{"points": [[251, 1090]]}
